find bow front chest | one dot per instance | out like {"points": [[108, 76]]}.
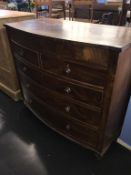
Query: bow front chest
{"points": [[75, 77]]}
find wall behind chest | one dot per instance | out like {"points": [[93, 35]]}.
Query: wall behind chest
{"points": [[126, 130]]}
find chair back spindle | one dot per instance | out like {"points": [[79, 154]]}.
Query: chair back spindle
{"points": [[125, 16]]}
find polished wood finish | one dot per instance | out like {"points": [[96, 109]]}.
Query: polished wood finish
{"points": [[77, 78], [8, 79]]}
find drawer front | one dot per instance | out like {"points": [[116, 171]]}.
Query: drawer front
{"points": [[75, 71], [85, 114], [27, 70], [77, 51], [87, 94], [29, 40], [63, 125], [63, 49], [22, 53]]}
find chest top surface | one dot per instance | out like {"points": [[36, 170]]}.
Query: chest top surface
{"points": [[101, 35]]}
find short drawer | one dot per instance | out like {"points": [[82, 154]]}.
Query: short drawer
{"points": [[67, 127], [75, 71], [77, 51], [88, 94], [22, 53], [28, 71], [25, 39], [79, 111]]}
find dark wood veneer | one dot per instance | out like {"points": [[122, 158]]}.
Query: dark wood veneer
{"points": [[62, 123], [21, 52], [75, 77], [66, 105]]}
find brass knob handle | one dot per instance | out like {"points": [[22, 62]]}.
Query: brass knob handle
{"points": [[67, 70], [68, 127], [24, 69], [67, 108], [67, 90]]}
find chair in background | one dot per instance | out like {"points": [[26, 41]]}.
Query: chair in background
{"points": [[58, 6], [104, 13], [3, 5], [125, 13], [49, 8], [80, 10], [95, 11]]}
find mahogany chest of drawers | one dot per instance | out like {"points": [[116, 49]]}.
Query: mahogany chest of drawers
{"points": [[75, 77]]}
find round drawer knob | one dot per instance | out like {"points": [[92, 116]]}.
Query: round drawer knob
{"points": [[24, 69], [68, 127], [67, 90], [67, 108], [67, 70]]}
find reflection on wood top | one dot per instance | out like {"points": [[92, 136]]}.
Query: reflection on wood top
{"points": [[105, 35], [13, 14]]}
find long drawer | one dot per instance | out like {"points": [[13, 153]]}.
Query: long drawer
{"points": [[81, 112], [67, 127], [76, 51], [74, 71], [88, 93], [64, 49]]}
